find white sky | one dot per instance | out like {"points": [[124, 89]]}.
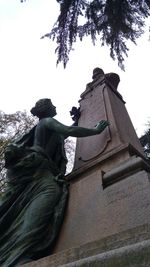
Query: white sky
{"points": [[28, 64]]}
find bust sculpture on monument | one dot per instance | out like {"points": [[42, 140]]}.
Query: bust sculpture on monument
{"points": [[33, 205]]}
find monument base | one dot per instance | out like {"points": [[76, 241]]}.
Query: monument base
{"points": [[129, 248]]}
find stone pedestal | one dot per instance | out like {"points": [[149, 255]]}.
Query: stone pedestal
{"points": [[102, 204], [107, 219]]}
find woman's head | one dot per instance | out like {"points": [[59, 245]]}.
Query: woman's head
{"points": [[44, 108]]}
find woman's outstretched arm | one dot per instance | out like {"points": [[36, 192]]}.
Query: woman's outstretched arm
{"points": [[76, 131]]}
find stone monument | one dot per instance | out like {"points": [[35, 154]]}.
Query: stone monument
{"points": [[107, 219]]}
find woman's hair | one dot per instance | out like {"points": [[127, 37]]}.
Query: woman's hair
{"points": [[42, 108]]}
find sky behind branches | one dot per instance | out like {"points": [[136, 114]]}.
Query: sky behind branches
{"points": [[28, 64]]}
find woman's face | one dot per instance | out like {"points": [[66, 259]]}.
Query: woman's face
{"points": [[53, 111]]}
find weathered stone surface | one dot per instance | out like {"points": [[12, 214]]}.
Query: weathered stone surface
{"points": [[94, 212], [136, 255], [128, 167], [98, 249]]}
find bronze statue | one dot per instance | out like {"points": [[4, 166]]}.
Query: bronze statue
{"points": [[33, 207]]}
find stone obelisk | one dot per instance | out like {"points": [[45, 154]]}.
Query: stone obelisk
{"points": [[101, 101]]}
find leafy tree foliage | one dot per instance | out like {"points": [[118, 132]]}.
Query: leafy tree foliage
{"points": [[12, 126], [145, 142], [113, 21], [70, 145]]}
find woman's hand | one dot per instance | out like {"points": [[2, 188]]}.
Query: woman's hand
{"points": [[101, 126]]}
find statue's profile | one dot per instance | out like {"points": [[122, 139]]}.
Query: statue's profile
{"points": [[33, 207]]}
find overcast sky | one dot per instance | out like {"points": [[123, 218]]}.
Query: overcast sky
{"points": [[28, 64]]}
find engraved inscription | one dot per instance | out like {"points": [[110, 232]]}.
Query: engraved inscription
{"points": [[93, 110]]}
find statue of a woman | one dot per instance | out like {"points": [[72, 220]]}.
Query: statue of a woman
{"points": [[33, 207]]}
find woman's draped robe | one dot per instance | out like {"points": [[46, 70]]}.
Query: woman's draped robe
{"points": [[33, 206]]}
